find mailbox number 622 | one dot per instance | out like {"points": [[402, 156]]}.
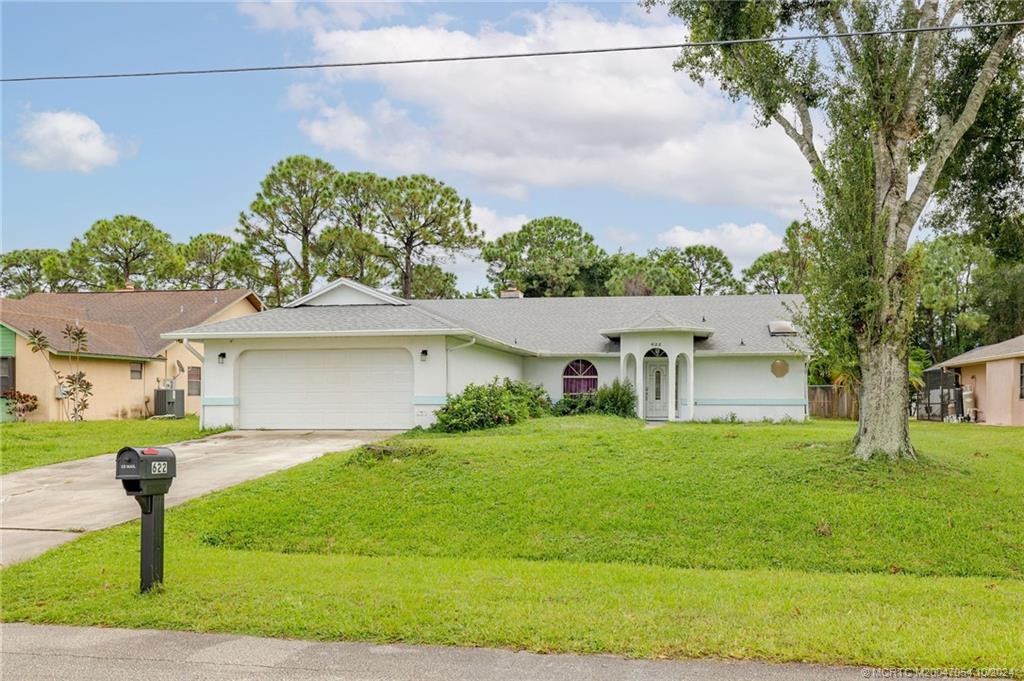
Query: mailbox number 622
{"points": [[158, 467]]}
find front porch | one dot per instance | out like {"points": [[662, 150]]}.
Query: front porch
{"points": [[663, 381], [656, 357]]}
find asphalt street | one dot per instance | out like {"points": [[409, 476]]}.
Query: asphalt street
{"points": [[41, 653]]}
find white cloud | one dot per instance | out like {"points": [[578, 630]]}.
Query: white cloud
{"points": [[494, 225], [741, 243], [66, 140], [624, 121], [303, 96]]}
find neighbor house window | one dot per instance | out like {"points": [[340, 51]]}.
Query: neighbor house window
{"points": [[580, 376], [780, 368], [1021, 380], [195, 380], [6, 374], [135, 370]]}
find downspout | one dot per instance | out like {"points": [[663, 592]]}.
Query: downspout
{"points": [[191, 348], [447, 369]]}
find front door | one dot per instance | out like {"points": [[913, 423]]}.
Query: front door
{"points": [[655, 389]]}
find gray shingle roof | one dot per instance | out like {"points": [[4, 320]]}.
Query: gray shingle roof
{"points": [[538, 325], [1011, 347], [574, 325], [325, 319]]}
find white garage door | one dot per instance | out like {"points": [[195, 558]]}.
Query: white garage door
{"points": [[325, 389]]}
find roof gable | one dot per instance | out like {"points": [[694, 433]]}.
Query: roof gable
{"points": [[346, 292]]}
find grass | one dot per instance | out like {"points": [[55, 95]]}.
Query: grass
{"points": [[27, 445], [591, 534]]}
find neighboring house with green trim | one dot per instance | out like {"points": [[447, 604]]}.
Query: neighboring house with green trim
{"points": [[126, 359], [349, 356], [8, 347]]}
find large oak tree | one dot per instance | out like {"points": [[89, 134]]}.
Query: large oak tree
{"points": [[894, 113]]}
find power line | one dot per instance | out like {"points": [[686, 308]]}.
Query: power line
{"points": [[515, 55]]}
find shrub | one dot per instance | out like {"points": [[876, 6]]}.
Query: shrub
{"points": [[534, 396], [571, 405], [18, 404], [499, 403], [617, 399]]}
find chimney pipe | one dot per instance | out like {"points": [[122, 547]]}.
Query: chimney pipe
{"points": [[511, 292]]}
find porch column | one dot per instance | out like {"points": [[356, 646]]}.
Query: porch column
{"points": [[689, 379], [672, 387], [640, 388]]}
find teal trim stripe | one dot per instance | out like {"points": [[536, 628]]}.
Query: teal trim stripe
{"points": [[220, 402], [429, 399], [751, 402]]}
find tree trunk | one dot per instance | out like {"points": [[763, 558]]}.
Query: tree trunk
{"points": [[407, 276], [883, 423]]}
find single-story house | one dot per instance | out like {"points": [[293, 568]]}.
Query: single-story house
{"points": [[349, 356], [126, 358], [994, 374]]}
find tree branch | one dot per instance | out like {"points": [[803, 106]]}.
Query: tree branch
{"points": [[954, 8], [924, 60], [842, 27], [949, 135], [805, 143]]}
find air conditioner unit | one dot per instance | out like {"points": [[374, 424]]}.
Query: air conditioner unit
{"points": [[167, 384]]}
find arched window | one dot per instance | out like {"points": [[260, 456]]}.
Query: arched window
{"points": [[580, 376]]}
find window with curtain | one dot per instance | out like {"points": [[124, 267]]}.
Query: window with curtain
{"points": [[579, 377]]}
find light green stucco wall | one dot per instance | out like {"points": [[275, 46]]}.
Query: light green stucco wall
{"points": [[7, 345], [7, 341]]}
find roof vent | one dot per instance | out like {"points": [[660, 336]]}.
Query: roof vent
{"points": [[781, 327], [511, 292]]}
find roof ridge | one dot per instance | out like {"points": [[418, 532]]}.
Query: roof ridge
{"points": [[437, 317]]}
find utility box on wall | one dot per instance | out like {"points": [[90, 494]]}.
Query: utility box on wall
{"points": [[169, 403]]}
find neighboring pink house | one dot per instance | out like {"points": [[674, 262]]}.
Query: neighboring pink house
{"points": [[995, 374]]}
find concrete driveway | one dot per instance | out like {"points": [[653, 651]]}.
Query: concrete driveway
{"points": [[43, 507]]}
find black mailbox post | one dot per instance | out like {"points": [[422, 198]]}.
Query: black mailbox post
{"points": [[146, 473]]}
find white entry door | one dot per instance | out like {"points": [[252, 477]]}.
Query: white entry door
{"points": [[655, 389], [326, 389]]}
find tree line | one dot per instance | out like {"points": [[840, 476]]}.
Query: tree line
{"points": [[310, 222]]}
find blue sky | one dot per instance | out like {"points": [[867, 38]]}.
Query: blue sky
{"points": [[636, 153]]}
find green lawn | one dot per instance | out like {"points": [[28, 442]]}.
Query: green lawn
{"points": [[593, 534], [27, 445]]}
